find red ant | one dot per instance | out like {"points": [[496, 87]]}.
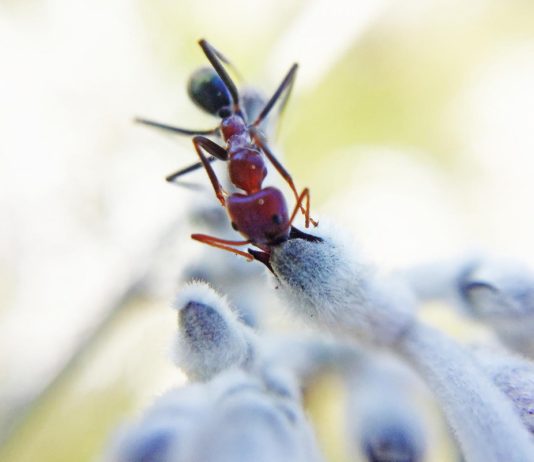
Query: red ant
{"points": [[260, 214]]}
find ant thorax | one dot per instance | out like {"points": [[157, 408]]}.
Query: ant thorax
{"points": [[232, 126]]}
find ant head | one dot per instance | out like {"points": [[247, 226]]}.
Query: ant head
{"points": [[208, 91]]}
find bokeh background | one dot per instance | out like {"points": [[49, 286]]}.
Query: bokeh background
{"points": [[412, 123]]}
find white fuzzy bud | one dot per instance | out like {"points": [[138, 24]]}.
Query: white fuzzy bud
{"points": [[251, 423], [327, 284], [210, 338], [384, 417], [166, 428], [501, 294]]}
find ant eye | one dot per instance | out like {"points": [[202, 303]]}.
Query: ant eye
{"points": [[234, 226], [277, 219]]}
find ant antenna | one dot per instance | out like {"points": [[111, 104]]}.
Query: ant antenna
{"points": [[216, 59]]}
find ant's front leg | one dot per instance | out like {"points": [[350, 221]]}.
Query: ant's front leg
{"points": [[304, 196], [202, 143], [223, 244]]}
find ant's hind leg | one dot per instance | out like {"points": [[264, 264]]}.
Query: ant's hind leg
{"points": [[223, 244], [216, 151]]}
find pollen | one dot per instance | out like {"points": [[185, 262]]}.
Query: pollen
{"points": [[261, 202]]}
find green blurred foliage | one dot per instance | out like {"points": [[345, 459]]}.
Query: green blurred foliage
{"points": [[67, 426], [395, 88]]}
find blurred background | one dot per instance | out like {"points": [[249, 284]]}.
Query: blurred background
{"points": [[412, 123]]}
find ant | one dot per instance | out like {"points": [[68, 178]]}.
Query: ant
{"points": [[259, 214]]}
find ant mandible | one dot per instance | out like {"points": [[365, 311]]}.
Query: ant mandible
{"points": [[260, 214]]}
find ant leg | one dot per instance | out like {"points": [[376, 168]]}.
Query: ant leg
{"points": [[224, 59], [216, 151], [286, 86], [305, 194], [217, 59], [260, 141], [223, 244], [181, 131], [191, 168]]}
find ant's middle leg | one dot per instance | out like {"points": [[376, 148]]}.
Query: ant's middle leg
{"points": [[202, 143]]}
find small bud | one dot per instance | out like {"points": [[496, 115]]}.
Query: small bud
{"points": [[384, 416], [147, 442], [210, 338], [166, 428], [501, 294], [251, 423]]}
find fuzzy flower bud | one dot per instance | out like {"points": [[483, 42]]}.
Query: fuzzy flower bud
{"points": [[384, 417], [210, 338], [501, 294], [165, 429], [326, 284], [247, 426]]}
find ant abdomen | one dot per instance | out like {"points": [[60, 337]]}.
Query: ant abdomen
{"points": [[208, 91]]}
